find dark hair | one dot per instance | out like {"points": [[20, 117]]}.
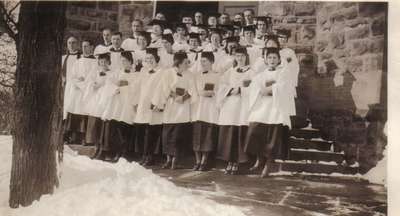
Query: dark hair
{"points": [[168, 37], [88, 40], [138, 20], [249, 9], [117, 33], [105, 56], [209, 56], [106, 28], [275, 39], [146, 35], [153, 52], [127, 55], [178, 58]]}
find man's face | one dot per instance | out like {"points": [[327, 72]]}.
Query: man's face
{"points": [[283, 40], [224, 19], [215, 39], [205, 63], [187, 20], [166, 44], [157, 30], [72, 44], [107, 36], [185, 64], [240, 58], [87, 48], [212, 21], [116, 41], [272, 59], [202, 34], [238, 18], [180, 31], [150, 60], [126, 63], [193, 43], [198, 17], [248, 16], [261, 26], [136, 26], [103, 63]]}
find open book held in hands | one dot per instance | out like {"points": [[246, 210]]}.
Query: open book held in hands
{"points": [[209, 87], [180, 91], [269, 83], [246, 83]]}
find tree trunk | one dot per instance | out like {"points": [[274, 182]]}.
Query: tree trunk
{"points": [[37, 124]]}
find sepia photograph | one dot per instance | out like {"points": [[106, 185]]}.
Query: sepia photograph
{"points": [[197, 108]]}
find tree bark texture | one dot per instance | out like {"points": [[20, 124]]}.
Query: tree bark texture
{"points": [[38, 106]]}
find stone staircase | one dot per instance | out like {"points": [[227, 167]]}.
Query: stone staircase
{"points": [[309, 153]]}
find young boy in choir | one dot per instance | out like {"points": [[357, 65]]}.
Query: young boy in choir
{"points": [[96, 81], [157, 29], [233, 102], [120, 111], [106, 44], [227, 59], [224, 19], [203, 35], [215, 39], [77, 115], [180, 39], [130, 43], [288, 55], [205, 112], [115, 50], [261, 30], [270, 97], [143, 41], [167, 53], [194, 52], [68, 62], [177, 94], [149, 117]]}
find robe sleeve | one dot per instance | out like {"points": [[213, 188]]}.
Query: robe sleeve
{"points": [[193, 91], [224, 89], [255, 89]]}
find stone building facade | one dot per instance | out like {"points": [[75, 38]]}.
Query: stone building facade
{"points": [[341, 47]]}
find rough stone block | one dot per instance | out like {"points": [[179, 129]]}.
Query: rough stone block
{"points": [[341, 53], [373, 62], [112, 25], [112, 17], [355, 22], [111, 6], [321, 45], [354, 65], [308, 32], [378, 26], [357, 33], [72, 10], [360, 47], [377, 45], [78, 24], [371, 9], [274, 8], [304, 9], [337, 39], [291, 19], [331, 66], [325, 56], [94, 13]]}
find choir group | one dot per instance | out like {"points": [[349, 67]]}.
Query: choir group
{"points": [[225, 88]]}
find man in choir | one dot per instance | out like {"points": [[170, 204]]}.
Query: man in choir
{"points": [[238, 17], [203, 35], [149, 117], [248, 15], [167, 53], [205, 112], [188, 21], [263, 28], [212, 20], [106, 44], [232, 99], [198, 18], [224, 19], [115, 50], [237, 28], [157, 29], [67, 62], [253, 49], [177, 94], [180, 39], [76, 117], [130, 44]]}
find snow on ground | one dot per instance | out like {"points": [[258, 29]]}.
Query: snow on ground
{"points": [[90, 187]]}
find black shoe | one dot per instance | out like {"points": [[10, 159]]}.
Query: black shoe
{"points": [[203, 167], [228, 168], [235, 169], [96, 154], [196, 167], [166, 165]]}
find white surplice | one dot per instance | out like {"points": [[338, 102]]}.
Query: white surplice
{"points": [[69, 64]]}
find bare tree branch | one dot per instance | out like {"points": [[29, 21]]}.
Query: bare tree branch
{"points": [[5, 21]]}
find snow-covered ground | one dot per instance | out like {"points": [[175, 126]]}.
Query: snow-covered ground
{"points": [[90, 187]]}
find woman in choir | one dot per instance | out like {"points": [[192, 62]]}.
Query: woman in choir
{"points": [[180, 39], [148, 117], [233, 102], [177, 94], [167, 53], [93, 96], [270, 97], [121, 109], [80, 71], [157, 29], [205, 112]]}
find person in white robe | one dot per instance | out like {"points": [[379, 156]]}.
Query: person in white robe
{"points": [[247, 41], [157, 29], [263, 29], [232, 99], [71, 126], [205, 112], [259, 65], [120, 111], [167, 53], [77, 115], [143, 41], [212, 20], [269, 102], [106, 44], [215, 46], [95, 96], [149, 118], [203, 35], [194, 53], [226, 60], [115, 50], [130, 43], [177, 94], [180, 38]]}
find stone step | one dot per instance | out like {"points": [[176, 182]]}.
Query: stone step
{"points": [[299, 121], [315, 155], [314, 168], [306, 133], [310, 144], [83, 150]]}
